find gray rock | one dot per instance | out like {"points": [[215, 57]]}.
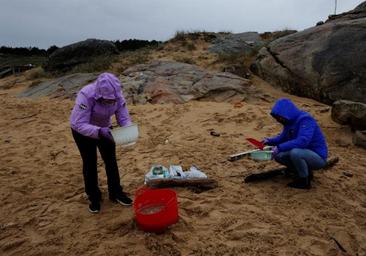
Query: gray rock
{"points": [[350, 113], [358, 13], [359, 138], [242, 43], [67, 57], [326, 62], [66, 86], [319, 23], [175, 82], [158, 82]]}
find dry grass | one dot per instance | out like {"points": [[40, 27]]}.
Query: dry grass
{"points": [[131, 58], [190, 48], [36, 73], [182, 35], [271, 36]]}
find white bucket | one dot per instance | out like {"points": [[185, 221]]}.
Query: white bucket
{"points": [[126, 135]]}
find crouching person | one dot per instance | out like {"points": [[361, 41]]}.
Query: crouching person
{"points": [[90, 122], [301, 146]]}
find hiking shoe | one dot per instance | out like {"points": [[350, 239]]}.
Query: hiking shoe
{"points": [[300, 183], [94, 207], [121, 198], [311, 175]]}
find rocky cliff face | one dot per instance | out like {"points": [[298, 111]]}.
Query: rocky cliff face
{"points": [[326, 62]]}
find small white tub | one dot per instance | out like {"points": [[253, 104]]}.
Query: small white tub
{"points": [[125, 136]]}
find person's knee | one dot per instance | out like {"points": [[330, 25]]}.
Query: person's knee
{"points": [[279, 157], [295, 153]]}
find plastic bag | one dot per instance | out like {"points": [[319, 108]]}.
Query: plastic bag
{"points": [[176, 171], [194, 173], [157, 172]]}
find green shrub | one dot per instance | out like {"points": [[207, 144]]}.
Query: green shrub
{"points": [[98, 64]]}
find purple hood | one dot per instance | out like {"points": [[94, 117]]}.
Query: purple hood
{"points": [[107, 86], [89, 115]]}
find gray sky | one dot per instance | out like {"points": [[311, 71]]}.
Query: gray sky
{"points": [[43, 23]]}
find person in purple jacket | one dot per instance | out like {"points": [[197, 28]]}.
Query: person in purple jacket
{"points": [[90, 123], [301, 146]]}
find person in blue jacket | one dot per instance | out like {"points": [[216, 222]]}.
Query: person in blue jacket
{"points": [[301, 146]]}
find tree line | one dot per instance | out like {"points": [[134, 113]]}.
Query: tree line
{"points": [[27, 51], [124, 45]]}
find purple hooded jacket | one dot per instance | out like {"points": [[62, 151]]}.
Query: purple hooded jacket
{"points": [[89, 115]]}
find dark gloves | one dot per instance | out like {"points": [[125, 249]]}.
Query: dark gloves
{"points": [[105, 133]]}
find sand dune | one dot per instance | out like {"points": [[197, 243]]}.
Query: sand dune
{"points": [[43, 210]]}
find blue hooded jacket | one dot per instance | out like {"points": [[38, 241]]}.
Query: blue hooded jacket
{"points": [[301, 130]]}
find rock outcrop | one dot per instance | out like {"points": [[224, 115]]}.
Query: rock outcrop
{"points": [[350, 113], [241, 43], [359, 138], [66, 86], [158, 82], [175, 82], [353, 114], [326, 62], [67, 57]]}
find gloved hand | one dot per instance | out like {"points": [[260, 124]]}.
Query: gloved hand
{"points": [[275, 151], [265, 141], [105, 133]]}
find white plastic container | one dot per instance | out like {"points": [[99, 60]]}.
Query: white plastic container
{"points": [[261, 155], [125, 136]]}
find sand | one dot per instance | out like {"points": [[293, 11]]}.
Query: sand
{"points": [[44, 212]]}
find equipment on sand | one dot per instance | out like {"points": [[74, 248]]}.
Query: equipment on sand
{"points": [[155, 209]]}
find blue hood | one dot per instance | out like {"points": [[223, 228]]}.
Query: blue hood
{"points": [[286, 109], [302, 131]]}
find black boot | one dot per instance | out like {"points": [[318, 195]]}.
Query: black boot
{"points": [[300, 183], [311, 175], [289, 173]]}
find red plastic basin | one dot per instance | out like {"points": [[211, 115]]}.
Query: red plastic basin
{"points": [[155, 209]]}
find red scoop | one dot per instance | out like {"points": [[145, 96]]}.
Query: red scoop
{"points": [[256, 143]]}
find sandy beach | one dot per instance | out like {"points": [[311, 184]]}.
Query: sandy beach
{"points": [[44, 211]]}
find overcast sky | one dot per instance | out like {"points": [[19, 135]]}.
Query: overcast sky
{"points": [[42, 23]]}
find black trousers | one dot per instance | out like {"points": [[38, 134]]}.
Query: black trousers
{"points": [[88, 151]]}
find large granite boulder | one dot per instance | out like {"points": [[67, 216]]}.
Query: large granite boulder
{"points": [[359, 138], [350, 113], [326, 62], [175, 82], [241, 43], [66, 86], [67, 57], [353, 114]]}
